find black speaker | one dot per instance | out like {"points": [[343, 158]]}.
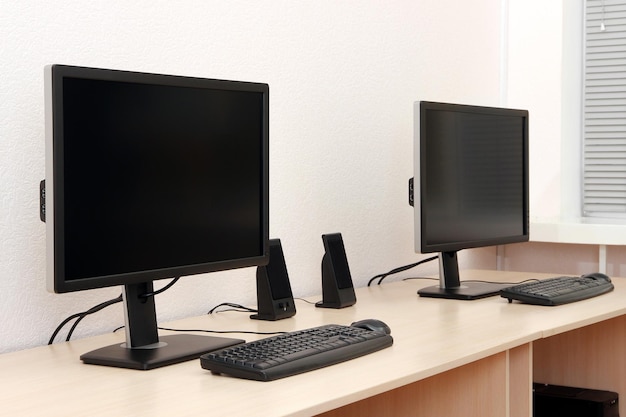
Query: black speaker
{"points": [[337, 288], [273, 291]]}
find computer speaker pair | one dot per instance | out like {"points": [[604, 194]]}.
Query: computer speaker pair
{"points": [[274, 295]]}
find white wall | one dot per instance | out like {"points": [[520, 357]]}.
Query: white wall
{"points": [[545, 76], [343, 77], [534, 75]]}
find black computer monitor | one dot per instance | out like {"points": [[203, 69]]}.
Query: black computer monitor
{"points": [[148, 177], [470, 186]]}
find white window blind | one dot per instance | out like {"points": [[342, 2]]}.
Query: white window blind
{"points": [[604, 109]]}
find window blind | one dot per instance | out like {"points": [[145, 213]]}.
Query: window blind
{"points": [[604, 109]]}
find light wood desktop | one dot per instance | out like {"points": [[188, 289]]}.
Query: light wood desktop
{"points": [[452, 358]]}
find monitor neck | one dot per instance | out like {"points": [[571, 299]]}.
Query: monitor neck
{"points": [[140, 316], [449, 270]]}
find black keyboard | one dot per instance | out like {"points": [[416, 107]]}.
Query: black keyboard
{"points": [[559, 290], [295, 352]]}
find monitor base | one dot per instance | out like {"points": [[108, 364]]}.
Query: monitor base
{"points": [[171, 349], [472, 290]]}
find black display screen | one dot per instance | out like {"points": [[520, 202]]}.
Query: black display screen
{"points": [[153, 176], [473, 177]]}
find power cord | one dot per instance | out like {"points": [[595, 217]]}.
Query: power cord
{"points": [[167, 287], [243, 309], [219, 331], [399, 269], [480, 280], [233, 307], [80, 316], [306, 301]]}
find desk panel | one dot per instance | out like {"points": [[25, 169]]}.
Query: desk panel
{"points": [[478, 389], [593, 357]]}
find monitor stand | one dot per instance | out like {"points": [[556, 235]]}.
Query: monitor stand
{"points": [[450, 285], [143, 348]]}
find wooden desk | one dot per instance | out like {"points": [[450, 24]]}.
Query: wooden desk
{"points": [[453, 358]]}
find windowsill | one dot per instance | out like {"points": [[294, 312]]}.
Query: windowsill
{"points": [[577, 231]]}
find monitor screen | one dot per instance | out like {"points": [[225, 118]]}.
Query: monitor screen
{"points": [[152, 176], [471, 180]]}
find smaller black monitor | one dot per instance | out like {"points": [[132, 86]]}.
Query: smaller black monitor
{"points": [[470, 186]]}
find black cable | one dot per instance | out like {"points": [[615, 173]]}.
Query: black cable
{"points": [[243, 309], [80, 316], [60, 326], [399, 269], [306, 301], [428, 278], [479, 280], [167, 287], [219, 331], [209, 331], [234, 307], [83, 314], [500, 282], [91, 311]]}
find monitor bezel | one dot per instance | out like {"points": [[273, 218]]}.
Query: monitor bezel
{"points": [[54, 76]]}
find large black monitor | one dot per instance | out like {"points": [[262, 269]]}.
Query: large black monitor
{"points": [[148, 177], [470, 186]]}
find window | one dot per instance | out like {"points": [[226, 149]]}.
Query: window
{"points": [[604, 109]]}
